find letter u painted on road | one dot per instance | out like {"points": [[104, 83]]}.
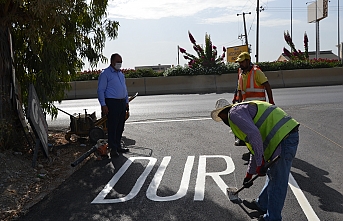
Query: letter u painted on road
{"points": [[153, 187]]}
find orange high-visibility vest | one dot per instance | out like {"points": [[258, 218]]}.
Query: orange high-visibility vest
{"points": [[252, 90]]}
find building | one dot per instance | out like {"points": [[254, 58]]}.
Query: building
{"points": [[157, 68], [312, 55]]}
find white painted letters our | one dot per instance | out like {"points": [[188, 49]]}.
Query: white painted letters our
{"points": [[153, 187]]}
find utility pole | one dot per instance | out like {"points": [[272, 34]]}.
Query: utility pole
{"points": [[245, 28], [339, 43], [257, 27]]}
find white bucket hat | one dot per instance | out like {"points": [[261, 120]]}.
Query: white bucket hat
{"points": [[221, 104]]}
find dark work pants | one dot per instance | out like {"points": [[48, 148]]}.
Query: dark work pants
{"points": [[115, 121]]}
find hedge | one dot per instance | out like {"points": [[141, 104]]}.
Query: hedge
{"points": [[218, 70]]}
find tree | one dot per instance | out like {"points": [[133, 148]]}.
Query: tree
{"points": [[206, 57], [50, 40], [295, 54]]}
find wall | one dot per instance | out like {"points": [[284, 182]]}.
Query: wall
{"points": [[200, 84]]}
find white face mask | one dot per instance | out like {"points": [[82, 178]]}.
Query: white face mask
{"points": [[117, 66]]}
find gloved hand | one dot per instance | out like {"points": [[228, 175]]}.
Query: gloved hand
{"points": [[246, 182], [261, 170]]}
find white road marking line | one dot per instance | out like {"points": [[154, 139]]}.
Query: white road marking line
{"points": [[299, 195], [166, 121]]}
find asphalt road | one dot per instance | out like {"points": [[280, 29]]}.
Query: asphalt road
{"points": [[181, 161]]}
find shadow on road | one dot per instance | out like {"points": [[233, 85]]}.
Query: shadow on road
{"points": [[315, 184]]}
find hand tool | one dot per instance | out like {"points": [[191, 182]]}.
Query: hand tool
{"points": [[232, 192]]}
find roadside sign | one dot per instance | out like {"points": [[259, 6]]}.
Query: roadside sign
{"points": [[37, 119], [233, 52]]}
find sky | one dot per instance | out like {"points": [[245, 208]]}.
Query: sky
{"points": [[151, 30]]}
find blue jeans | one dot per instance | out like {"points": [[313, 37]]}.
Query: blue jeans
{"points": [[273, 194]]}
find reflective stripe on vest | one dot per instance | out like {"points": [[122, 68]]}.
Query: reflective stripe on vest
{"points": [[252, 90], [272, 122]]}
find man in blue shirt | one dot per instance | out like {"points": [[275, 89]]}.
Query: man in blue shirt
{"points": [[113, 98]]}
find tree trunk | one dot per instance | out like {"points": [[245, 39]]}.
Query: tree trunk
{"points": [[7, 111]]}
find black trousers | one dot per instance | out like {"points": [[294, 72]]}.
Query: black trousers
{"points": [[115, 121]]}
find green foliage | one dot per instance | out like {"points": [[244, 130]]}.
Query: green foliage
{"points": [[299, 64], [217, 70], [129, 73], [206, 57], [51, 39]]}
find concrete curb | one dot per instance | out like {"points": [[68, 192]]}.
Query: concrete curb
{"points": [[201, 84]]}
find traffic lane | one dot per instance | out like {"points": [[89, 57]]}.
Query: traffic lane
{"points": [[318, 159], [217, 140], [75, 197], [160, 138], [207, 141], [317, 167], [144, 108], [284, 97]]}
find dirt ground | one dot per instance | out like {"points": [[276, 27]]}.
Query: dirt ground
{"points": [[22, 186]]}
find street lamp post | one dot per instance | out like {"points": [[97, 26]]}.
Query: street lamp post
{"points": [[291, 18], [257, 27]]}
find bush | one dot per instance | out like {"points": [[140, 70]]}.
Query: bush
{"points": [[200, 70], [86, 75], [131, 73], [299, 64]]}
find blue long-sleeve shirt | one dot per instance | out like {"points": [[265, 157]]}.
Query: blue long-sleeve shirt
{"points": [[111, 84]]}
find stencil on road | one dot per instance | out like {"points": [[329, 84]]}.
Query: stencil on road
{"points": [[153, 187]]}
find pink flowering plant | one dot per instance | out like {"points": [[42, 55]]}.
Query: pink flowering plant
{"points": [[295, 54], [205, 56]]}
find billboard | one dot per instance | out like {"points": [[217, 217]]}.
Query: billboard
{"points": [[314, 15], [233, 52]]}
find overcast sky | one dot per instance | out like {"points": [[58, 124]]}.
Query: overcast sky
{"points": [[151, 30]]}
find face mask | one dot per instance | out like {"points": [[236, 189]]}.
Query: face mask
{"points": [[117, 66]]}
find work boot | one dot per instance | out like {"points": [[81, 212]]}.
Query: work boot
{"points": [[253, 205], [246, 156], [261, 218], [114, 154], [123, 150]]}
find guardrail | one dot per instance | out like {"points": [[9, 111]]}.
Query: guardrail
{"points": [[212, 83]]}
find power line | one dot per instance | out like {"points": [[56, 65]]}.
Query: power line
{"points": [[298, 9]]}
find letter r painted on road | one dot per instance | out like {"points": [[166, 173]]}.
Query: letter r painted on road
{"points": [[200, 183]]}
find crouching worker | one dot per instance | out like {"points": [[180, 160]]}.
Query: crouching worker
{"points": [[268, 132]]}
